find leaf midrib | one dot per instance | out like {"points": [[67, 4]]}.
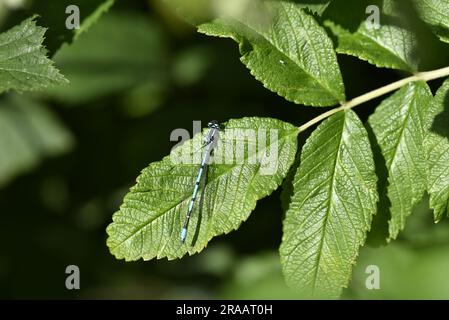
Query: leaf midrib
{"points": [[331, 192]]}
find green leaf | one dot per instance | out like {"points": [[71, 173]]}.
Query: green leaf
{"points": [[399, 124], [96, 14], [58, 33], [317, 6], [23, 62], [29, 132], [436, 145], [287, 50], [436, 14], [334, 199], [392, 45], [150, 219], [200, 11], [194, 11], [107, 60]]}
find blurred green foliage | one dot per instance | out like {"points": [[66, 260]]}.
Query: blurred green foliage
{"points": [[134, 78], [109, 60]]}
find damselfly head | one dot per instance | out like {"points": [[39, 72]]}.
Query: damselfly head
{"points": [[213, 125]]}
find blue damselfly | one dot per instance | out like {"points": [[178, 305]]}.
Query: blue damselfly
{"points": [[209, 143]]}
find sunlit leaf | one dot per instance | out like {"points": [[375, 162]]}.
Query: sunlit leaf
{"points": [[23, 61], [399, 125], [331, 209], [285, 49], [436, 146], [150, 219], [388, 42], [436, 14]]}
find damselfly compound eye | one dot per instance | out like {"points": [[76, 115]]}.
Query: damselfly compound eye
{"points": [[213, 124]]}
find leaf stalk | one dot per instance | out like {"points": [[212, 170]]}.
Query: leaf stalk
{"points": [[421, 76]]}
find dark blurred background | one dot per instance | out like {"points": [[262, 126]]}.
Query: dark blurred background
{"points": [[69, 155]]}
